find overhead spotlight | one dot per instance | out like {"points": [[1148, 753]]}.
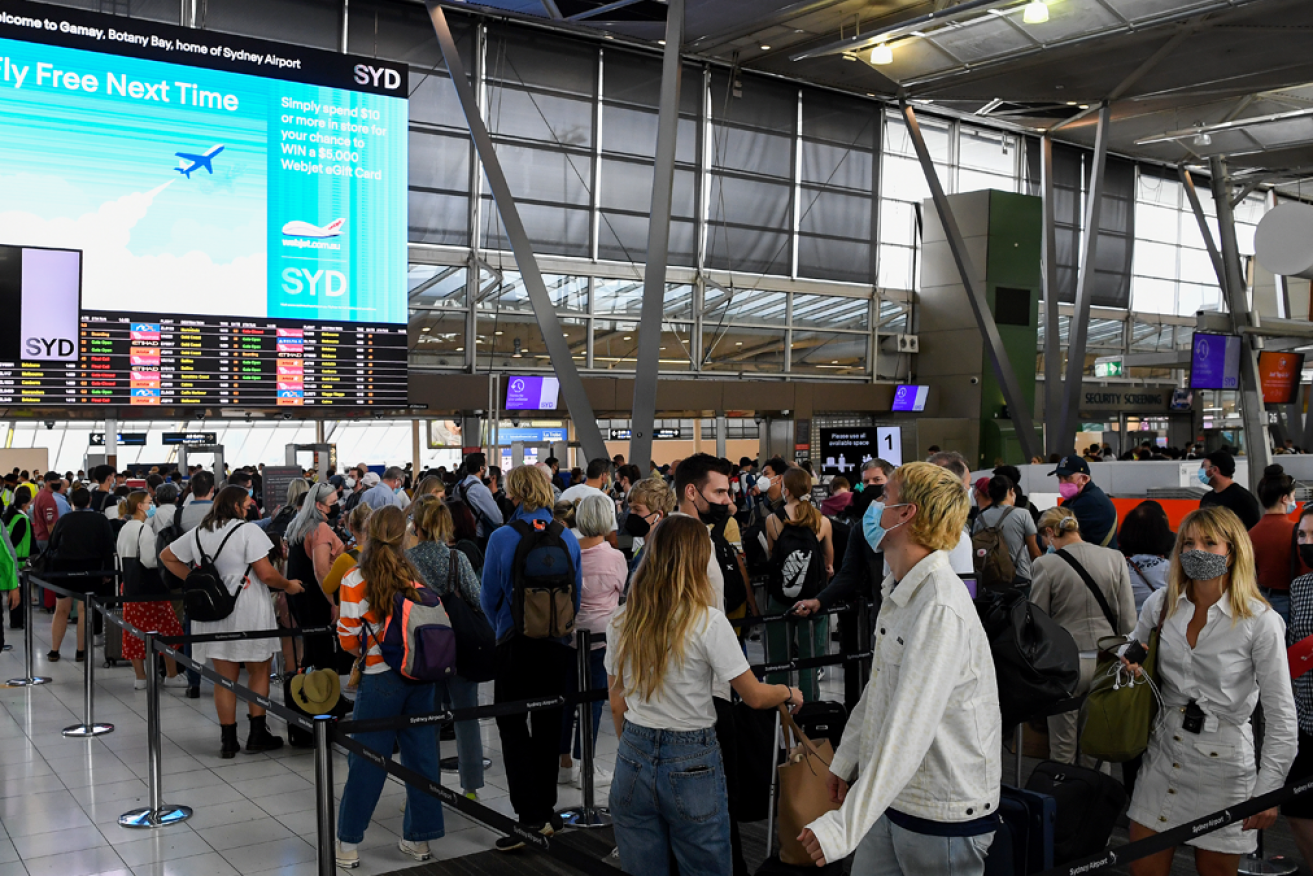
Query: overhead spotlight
{"points": [[1037, 12], [764, 47], [426, 329], [882, 54], [1202, 139]]}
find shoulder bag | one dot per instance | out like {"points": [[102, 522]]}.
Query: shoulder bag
{"points": [[138, 578], [476, 643], [1121, 708]]}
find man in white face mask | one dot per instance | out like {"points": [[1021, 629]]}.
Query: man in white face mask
{"points": [[930, 712]]}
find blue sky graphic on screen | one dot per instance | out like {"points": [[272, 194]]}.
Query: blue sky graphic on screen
{"points": [[206, 192], [531, 393], [1215, 363]]}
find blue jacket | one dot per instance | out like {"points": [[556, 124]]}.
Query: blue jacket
{"points": [[498, 571], [1096, 514]]}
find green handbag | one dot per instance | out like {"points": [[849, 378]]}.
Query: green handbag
{"points": [[1120, 710]]}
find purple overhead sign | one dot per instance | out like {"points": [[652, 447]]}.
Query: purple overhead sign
{"points": [[1215, 361], [525, 393]]}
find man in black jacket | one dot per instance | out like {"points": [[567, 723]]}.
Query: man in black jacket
{"points": [[83, 541]]}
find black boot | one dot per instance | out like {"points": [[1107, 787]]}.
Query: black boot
{"points": [[228, 744], [261, 739]]}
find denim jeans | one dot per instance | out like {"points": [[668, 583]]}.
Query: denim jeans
{"points": [[1280, 602], [457, 693], [889, 850], [596, 681], [811, 636], [387, 695], [668, 795]]}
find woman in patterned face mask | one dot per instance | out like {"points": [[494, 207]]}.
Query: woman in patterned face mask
{"points": [[1221, 646]]}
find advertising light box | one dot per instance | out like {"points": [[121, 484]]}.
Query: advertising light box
{"points": [[206, 219], [1279, 375]]}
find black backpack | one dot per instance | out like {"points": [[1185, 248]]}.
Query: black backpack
{"points": [[167, 536], [736, 589], [463, 513], [205, 596], [797, 566], [476, 643], [543, 594]]}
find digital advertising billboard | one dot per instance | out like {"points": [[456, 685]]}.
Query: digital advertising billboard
{"points": [[1279, 375], [234, 211]]}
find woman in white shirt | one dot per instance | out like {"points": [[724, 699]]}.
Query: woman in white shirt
{"points": [[236, 550], [136, 549], [1220, 649], [668, 646]]}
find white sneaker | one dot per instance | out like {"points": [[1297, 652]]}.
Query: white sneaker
{"points": [[139, 684], [419, 851], [567, 775], [347, 856], [177, 681], [600, 777]]}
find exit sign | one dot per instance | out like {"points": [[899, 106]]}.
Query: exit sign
{"points": [[1109, 367]]}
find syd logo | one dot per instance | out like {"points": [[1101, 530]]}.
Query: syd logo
{"points": [[297, 280], [366, 74]]}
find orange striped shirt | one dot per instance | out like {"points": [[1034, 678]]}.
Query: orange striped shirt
{"points": [[354, 609]]}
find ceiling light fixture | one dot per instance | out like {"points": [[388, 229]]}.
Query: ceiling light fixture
{"points": [[1203, 139], [764, 47], [426, 329], [1037, 12], [882, 54]]}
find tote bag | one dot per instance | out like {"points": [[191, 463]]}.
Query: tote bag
{"points": [[803, 795], [1120, 709]]}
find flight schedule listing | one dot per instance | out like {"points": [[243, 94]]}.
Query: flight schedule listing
{"points": [[176, 361]]}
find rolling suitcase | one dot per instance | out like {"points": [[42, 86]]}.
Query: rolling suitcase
{"points": [[113, 632], [1030, 819], [823, 720], [1088, 803]]}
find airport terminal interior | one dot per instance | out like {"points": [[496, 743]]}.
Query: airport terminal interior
{"points": [[350, 254]]}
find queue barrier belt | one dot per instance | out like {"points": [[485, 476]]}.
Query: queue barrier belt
{"points": [[475, 713]]}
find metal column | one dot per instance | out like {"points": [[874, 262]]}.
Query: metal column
{"points": [[1052, 333], [976, 296], [1080, 320], [1258, 450], [658, 244], [572, 387]]}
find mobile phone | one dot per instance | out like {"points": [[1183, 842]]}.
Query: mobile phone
{"points": [[1194, 718], [1135, 653]]}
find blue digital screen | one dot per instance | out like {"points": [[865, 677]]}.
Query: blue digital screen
{"points": [[910, 398], [202, 191], [1215, 361]]}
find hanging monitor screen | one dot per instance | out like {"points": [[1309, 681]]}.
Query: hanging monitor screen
{"points": [[910, 398], [532, 393], [205, 219], [1215, 361], [1279, 374]]}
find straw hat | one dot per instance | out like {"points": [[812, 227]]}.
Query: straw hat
{"points": [[316, 692]]}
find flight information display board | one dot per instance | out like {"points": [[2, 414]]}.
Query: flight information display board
{"points": [[193, 218]]}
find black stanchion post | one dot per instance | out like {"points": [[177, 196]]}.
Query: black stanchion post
{"points": [[88, 728], [586, 814], [324, 795], [159, 813], [29, 645]]}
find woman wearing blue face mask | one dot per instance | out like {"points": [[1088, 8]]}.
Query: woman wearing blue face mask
{"points": [[1274, 540], [139, 554]]}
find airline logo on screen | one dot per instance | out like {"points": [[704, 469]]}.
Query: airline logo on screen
{"points": [[51, 287]]}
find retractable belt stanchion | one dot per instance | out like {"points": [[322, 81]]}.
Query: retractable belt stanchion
{"points": [[88, 728], [159, 813], [586, 814], [324, 795], [29, 645]]}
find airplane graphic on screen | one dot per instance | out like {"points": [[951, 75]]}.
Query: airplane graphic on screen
{"points": [[191, 161], [298, 228]]}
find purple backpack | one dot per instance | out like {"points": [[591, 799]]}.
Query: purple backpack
{"points": [[419, 641]]}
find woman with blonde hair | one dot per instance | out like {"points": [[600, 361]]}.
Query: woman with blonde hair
{"points": [[1221, 648], [431, 522], [431, 485], [801, 516], [368, 595], [668, 646], [650, 501]]}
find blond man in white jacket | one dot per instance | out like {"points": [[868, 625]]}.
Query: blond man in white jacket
{"points": [[918, 770]]}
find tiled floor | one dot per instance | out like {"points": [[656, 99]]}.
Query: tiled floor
{"points": [[60, 798]]}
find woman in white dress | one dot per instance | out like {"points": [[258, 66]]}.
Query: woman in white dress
{"points": [[240, 553], [1221, 647]]}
